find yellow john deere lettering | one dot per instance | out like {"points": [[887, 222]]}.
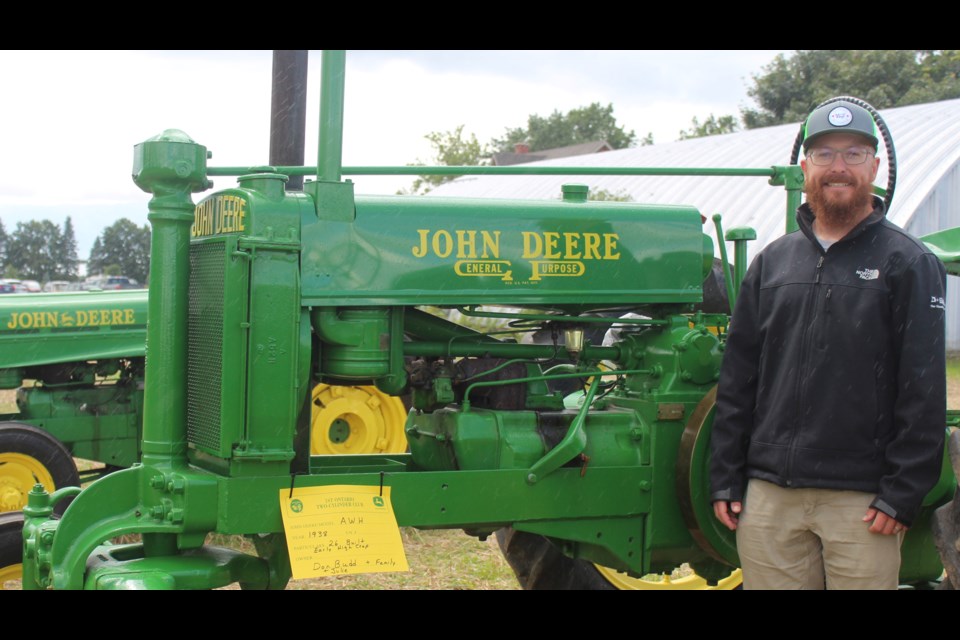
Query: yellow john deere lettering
{"points": [[547, 245], [80, 318], [484, 268], [219, 214], [441, 244], [551, 253], [543, 268]]}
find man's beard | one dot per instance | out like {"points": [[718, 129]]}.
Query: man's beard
{"points": [[839, 213]]}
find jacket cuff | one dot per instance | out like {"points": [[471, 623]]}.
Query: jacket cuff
{"points": [[882, 505], [727, 495]]}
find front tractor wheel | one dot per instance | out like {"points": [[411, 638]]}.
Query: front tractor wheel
{"points": [[11, 550], [28, 456], [359, 419]]}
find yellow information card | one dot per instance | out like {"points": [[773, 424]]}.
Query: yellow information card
{"points": [[341, 529]]}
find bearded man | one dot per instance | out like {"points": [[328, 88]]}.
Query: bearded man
{"points": [[831, 403]]}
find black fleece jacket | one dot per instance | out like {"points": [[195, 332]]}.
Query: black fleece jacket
{"points": [[834, 369]]}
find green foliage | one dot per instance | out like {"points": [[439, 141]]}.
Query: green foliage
{"points": [[113, 270], [66, 251], [124, 244], [450, 149], [647, 140], [3, 247], [38, 250], [939, 77], [792, 85], [584, 124], [32, 250], [95, 251], [712, 126], [605, 195]]}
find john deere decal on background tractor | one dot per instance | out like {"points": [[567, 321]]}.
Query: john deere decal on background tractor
{"points": [[258, 294], [84, 353]]}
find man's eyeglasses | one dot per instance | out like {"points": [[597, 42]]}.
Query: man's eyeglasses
{"points": [[824, 156]]}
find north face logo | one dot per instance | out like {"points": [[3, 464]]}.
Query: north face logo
{"points": [[868, 274]]}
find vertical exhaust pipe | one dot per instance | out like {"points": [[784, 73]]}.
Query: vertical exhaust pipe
{"points": [[288, 112]]}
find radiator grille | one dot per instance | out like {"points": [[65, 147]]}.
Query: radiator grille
{"points": [[205, 363]]}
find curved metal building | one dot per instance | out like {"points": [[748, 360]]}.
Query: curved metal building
{"points": [[927, 198]]}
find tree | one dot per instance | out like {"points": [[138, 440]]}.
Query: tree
{"points": [[605, 195], [125, 244], [32, 250], [452, 150], [96, 251], [792, 85], [3, 247], [584, 124], [939, 77], [712, 126], [67, 253]]}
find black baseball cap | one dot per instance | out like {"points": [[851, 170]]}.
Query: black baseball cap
{"points": [[839, 117]]}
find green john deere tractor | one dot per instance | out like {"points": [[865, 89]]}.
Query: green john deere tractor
{"points": [[259, 293]]}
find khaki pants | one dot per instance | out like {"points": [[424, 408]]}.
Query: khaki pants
{"points": [[812, 539]]}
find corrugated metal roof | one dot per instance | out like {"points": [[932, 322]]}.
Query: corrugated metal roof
{"points": [[927, 139]]}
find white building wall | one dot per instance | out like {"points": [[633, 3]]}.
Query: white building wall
{"points": [[941, 210]]}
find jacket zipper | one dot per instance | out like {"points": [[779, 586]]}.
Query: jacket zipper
{"points": [[801, 386], [823, 322]]}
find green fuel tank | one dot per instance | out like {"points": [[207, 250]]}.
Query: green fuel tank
{"points": [[568, 254]]}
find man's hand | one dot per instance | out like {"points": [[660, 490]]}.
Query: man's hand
{"points": [[882, 523], [727, 513]]}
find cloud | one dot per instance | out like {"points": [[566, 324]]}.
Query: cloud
{"points": [[70, 119]]}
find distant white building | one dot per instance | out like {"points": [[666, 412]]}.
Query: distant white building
{"points": [[926, 199]]}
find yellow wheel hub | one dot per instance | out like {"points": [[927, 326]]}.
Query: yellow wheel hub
{"points": [[689, 582], [18, 474], [356, 420], [10, 576]]}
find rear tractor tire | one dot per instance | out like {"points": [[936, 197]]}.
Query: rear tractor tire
{"points": [[946, 524], [538, 564]]}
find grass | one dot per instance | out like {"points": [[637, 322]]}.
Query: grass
{"points": [[438, 560], [953, 381], [445, 559]]}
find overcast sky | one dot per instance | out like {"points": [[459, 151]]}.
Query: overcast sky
{"points": [[70, 119]]}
